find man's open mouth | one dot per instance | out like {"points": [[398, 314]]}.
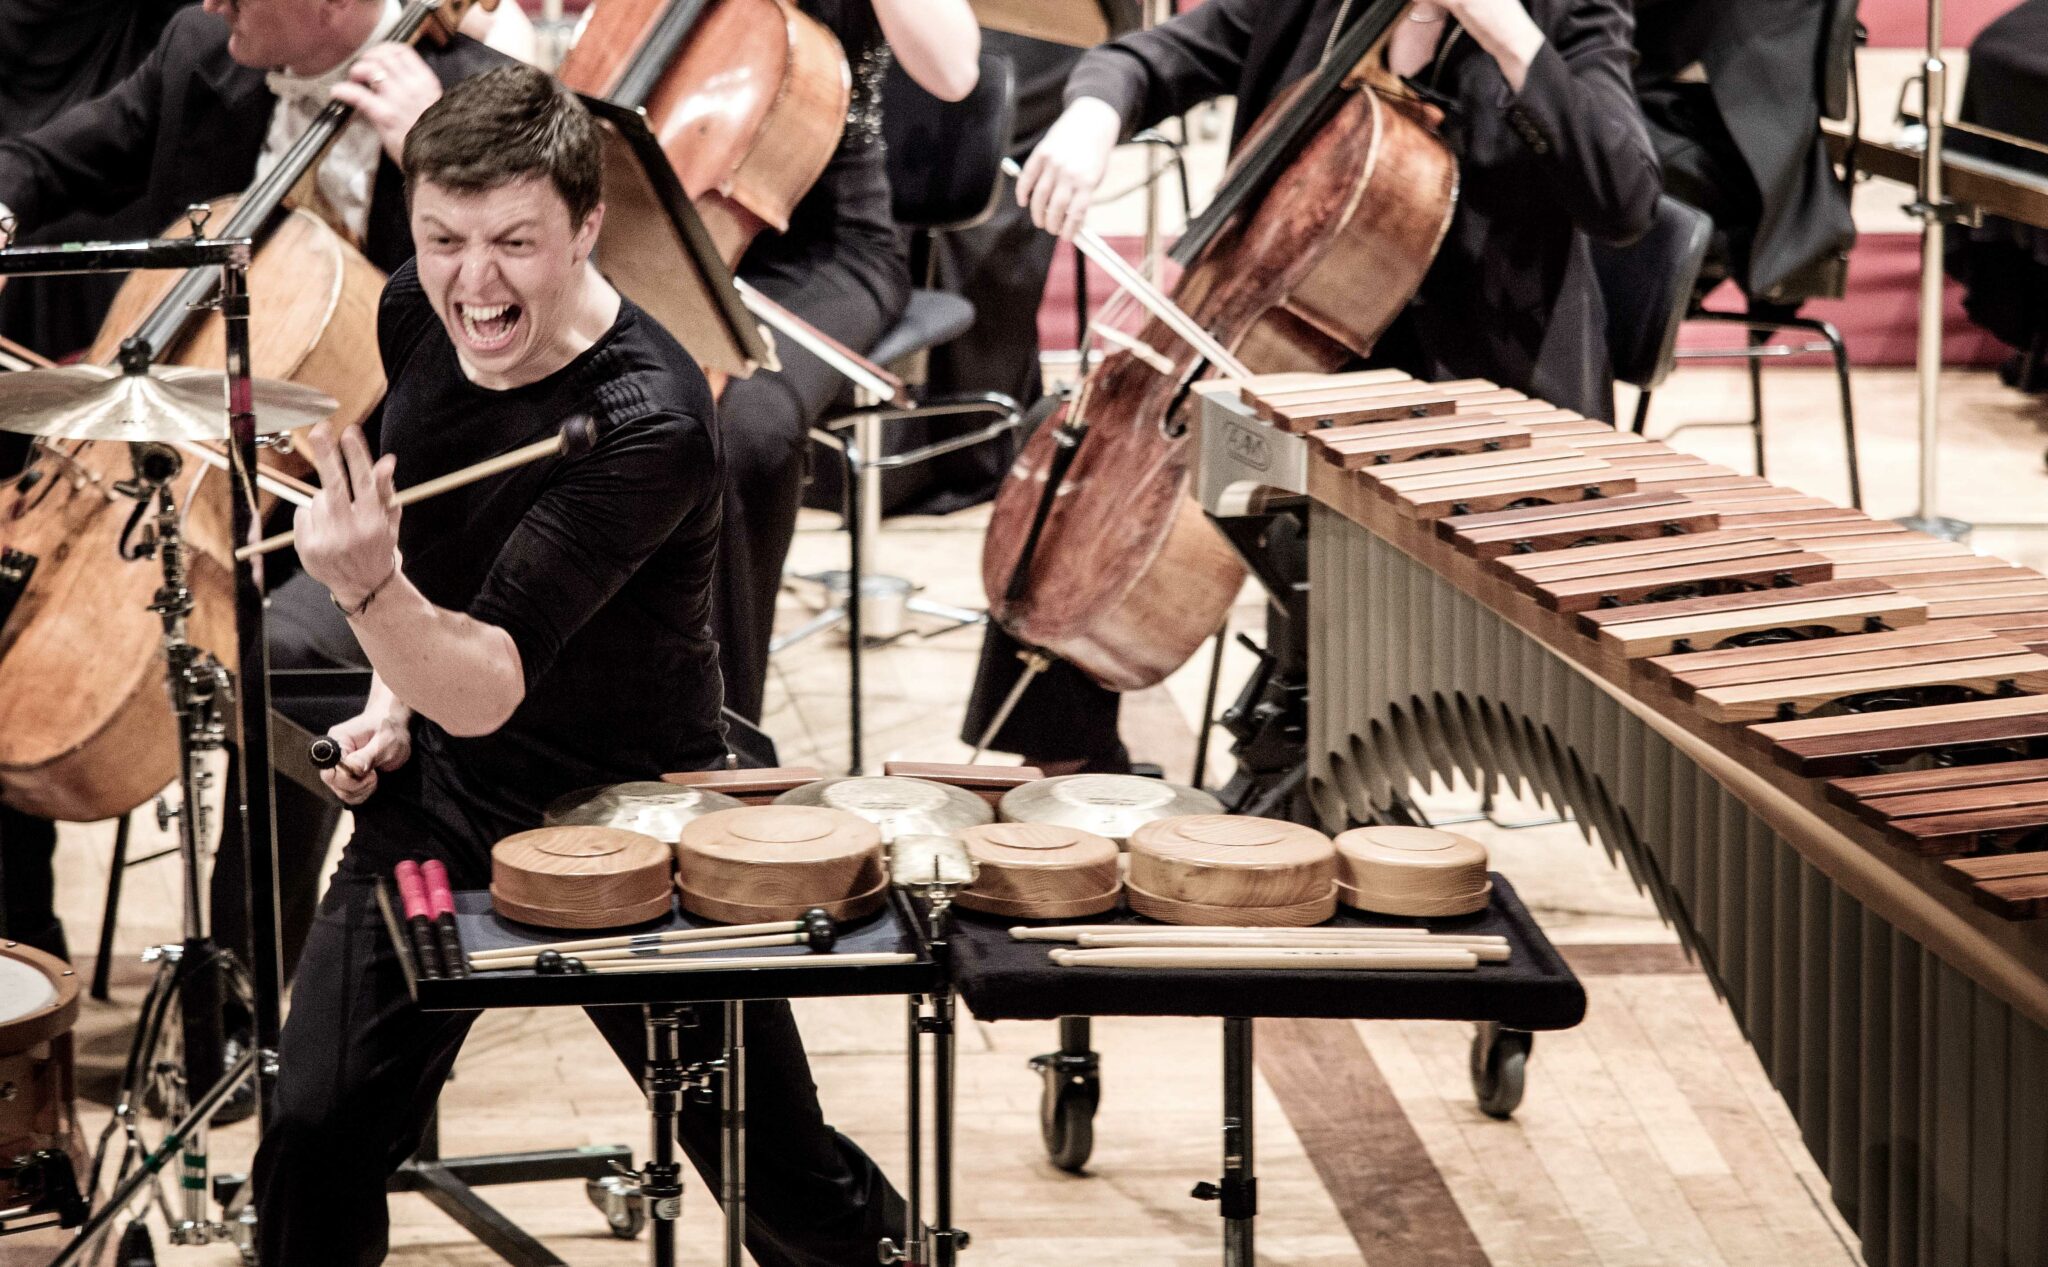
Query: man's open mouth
{"points": [[488, 327]]}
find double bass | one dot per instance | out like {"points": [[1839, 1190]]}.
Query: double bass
{"points": [[86, 730], [1330, 215]]}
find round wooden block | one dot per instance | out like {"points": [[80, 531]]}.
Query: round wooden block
{"points": [[580, 877], [548, 917], [1411, 871], [1040, 862], [1169, 910], [730, 912], [1231, 860], [782, 857], [899, 806]]}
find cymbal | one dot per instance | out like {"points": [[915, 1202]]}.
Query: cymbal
{"points": [[652, 809], [899, 806], [170, 403], [1112, 805]]}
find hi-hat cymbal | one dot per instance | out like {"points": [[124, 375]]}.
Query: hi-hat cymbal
{"points": [[652, 809], [170, 403], [1112, 805]]}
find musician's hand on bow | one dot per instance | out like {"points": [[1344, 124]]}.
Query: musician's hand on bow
{"points": [[1060, 177], [379, 738], [348, 533], [1504, 29], [391, 87]]}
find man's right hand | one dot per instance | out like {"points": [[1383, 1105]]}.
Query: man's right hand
{"points": [[370, 741], [1060, 177]]}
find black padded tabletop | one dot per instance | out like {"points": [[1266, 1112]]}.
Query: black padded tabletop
{"points": [[1004, 979], [893, 928]]}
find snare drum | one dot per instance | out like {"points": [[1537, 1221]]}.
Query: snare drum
{"points": [[38, 1006]]}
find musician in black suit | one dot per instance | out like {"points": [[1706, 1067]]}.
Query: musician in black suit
{"points": [[1551, 152], [1731, 90], [221, 96]]}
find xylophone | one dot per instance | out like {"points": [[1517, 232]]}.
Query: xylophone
{"points": [[1819, 740]]}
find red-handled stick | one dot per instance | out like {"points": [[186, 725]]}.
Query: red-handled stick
{"points": [[441, 905], [412, 891]]}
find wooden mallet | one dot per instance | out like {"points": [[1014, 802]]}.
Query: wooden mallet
{"points": [[577, 436]]}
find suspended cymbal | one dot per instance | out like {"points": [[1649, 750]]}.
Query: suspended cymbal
{"points": [[652, 809], [170, 403], [899, 806]]}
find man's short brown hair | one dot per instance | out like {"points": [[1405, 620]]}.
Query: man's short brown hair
{"points": [[506, 125]]}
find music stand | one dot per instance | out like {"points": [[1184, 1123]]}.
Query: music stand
{"points": [[658, 253]]}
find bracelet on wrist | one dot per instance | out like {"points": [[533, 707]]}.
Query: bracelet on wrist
{"points": [[360, 608]]}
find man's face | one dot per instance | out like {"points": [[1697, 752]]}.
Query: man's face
{"points": [[503, 270], [267, 34]]}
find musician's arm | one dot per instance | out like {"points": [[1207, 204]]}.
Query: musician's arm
{"points": [[94, 156], [938, 43], [1576, 111], [1147, 76]]}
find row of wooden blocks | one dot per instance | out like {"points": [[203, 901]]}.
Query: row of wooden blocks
{"points": [[1835, 640]]}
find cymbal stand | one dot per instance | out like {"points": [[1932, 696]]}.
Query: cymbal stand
{"points": [[201, 691]]}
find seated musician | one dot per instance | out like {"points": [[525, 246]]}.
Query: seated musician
{"points": [[541, 631], [216, 103], [1551, 151]]}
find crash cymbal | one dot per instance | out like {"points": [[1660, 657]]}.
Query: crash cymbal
{"points": [[652, 809], [899, 806], [1112, 805], [170, 403]]}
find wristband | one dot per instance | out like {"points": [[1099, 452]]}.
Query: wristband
{"points": [[360, 608]]}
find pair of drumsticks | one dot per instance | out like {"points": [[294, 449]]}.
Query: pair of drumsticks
{"points": [[1210, 947]]}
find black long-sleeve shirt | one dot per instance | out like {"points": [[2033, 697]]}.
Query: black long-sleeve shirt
{"points": [[598, 566], [1512, 295]]}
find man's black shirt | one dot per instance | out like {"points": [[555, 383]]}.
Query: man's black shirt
{"points": [[598, 566]]}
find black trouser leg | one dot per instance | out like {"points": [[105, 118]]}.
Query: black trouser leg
{"points": [[814, 1199], [359, 1071], [28, 882]]}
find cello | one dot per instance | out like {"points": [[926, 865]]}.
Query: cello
{"points": [[86, 730], [1333, 209]]}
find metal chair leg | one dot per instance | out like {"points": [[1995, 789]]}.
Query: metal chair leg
{"points": [[1643, 411], [1756, 399], [1841, 355]]}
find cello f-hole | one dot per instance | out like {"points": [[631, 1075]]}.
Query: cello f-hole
{"points": [[1170, 424]]}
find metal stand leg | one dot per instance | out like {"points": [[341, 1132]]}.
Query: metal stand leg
{"points": [[1643, 411], [451, 1183], [732, 1096], [661, 1182], [856, 464], [1756, 400], [1238, 1192], [104, 959]]}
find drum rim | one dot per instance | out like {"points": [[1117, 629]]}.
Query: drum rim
{"points": [[32, 1029]]}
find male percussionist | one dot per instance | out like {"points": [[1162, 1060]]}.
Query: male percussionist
{"points": [[532, 634]]}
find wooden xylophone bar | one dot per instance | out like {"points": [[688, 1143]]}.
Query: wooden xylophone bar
{"points": [[1816, 738]]}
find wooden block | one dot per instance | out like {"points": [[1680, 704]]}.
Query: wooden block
{"points": [[1471, 498], [1654, 516], [1621, 556], [1818, 747], [1892, 551], [1729, 482], [2027, 604], [1971, 800], [1565, 427], [1479, 468], [1745, 489], [1842, 529], [1849, 792], [1410, 446], [1331, 436], [2021, 586], [1783, 570], [1780, 513], [1962, 570], [2023, 897], [1761, 701], [1309, 411], [1945, 835], [1522, 409], [1966, 872], [1655, 629], [1276, 387], [1849, 653]]}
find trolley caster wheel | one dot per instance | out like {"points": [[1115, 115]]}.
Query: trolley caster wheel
{"points": [[1500, 1061], [619, 1201], [1066, 1108], [136, 1249]]}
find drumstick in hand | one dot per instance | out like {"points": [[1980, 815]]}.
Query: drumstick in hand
{"points": [[577, 436]]}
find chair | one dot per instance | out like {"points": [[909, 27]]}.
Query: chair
{"points": [[1835, 78], [945, 173], [1647, 287]]}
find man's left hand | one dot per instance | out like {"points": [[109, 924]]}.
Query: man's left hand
{"points": [[391, 87], [348, 533]]}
